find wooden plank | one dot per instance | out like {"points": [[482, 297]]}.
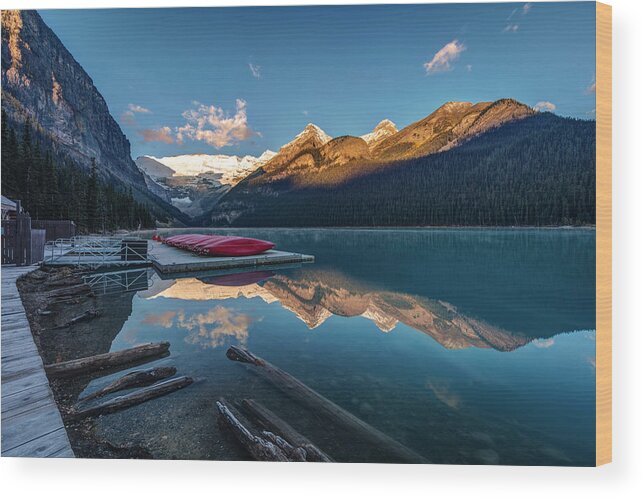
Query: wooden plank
{"points": [[15, 318], [27, 381], [30, 425], [603, 234], [17, 365], [17, 350], [16, 339], [26, 401], [53, 445]]}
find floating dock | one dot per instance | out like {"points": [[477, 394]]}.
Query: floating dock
{"points": [[170, 260], [31, 423]]}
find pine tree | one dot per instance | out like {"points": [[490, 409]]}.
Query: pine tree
{"points": [[92, 199], [51, 190], [24, 164]]}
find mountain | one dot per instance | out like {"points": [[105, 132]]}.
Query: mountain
{"points": [[153, 168], [43, 83], [299, 154], [382, 131], [483, 164], [450, 125], [194, 182], [313, 150]]}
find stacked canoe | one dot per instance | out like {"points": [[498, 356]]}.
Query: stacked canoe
{"points": [[217, 245]]}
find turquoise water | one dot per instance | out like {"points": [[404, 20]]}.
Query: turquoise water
{"points": [[467, 346]]}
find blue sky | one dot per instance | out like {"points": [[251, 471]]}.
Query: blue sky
{"points": [[243, 80]]}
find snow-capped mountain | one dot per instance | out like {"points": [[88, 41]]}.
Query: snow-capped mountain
{"points": [[231, 169], [384, 129], [192, 183], [311, 138], [311, 131]]}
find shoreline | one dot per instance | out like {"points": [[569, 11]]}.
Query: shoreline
{"points": [[392, 228]]}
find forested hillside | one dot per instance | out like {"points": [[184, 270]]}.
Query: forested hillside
{"points": [[539, 171], [52, 189]]}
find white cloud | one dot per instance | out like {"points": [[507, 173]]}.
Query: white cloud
{"points": [[305, 113], [526, 8], [138, 109], [545, 106], [592, 86], [214, 126], [469, 68], [512, 28], [255, 70], [443, 59], [163, 134], [129, 116]]}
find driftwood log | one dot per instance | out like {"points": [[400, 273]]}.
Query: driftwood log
{"points": [[65, 281], [58, 302], [133, 398], [260, 448], [74, 290], [293, 454], [297, 389], [107, 360], [138, 378], [271, 422], [80, 318]]}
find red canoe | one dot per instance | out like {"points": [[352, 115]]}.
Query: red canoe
{"points": [[219, 245]]}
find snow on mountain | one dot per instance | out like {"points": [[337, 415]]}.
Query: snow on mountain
{"points": [[384, 129], [311, 131], [231, 168]]}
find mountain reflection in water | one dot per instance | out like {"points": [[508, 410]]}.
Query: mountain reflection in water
{"points": [[314, 296]]}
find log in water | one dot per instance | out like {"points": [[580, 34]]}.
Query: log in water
{"points": [[107, 360], [260, 448], [134, 398], [297, 389], [138, 378], [271, 422]]}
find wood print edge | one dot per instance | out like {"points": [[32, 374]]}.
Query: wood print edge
{"points": [[603, 234]]}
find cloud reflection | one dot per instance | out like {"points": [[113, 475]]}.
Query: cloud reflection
{"points": [[215, 328]]}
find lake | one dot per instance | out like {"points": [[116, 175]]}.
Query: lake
{"points": [[467, 346]]}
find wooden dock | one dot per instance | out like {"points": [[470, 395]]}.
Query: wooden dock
{"points": [[31, 423], [170, 260]]}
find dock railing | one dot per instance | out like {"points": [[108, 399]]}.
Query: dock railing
{"points": [[96, 251]]}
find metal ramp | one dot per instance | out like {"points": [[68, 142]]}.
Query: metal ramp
{"points": [[93, 252]]}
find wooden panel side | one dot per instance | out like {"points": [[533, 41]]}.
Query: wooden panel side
{"points": [[603, 234]]}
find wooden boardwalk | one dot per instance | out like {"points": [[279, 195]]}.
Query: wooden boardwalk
{"points": [[31, 423]]}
